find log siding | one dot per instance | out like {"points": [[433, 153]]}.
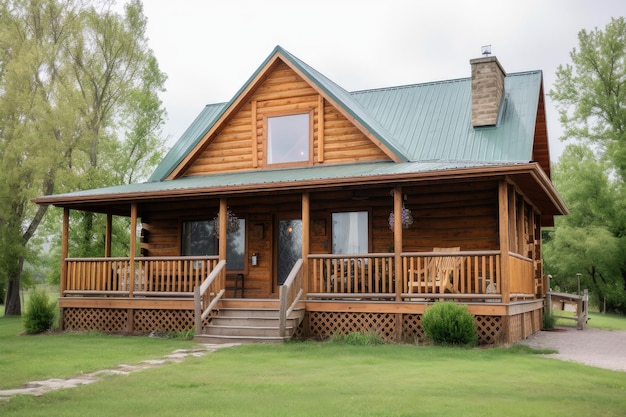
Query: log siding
{"points": [[240, 144]]}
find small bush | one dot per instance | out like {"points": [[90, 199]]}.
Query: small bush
{"points": [[357, 339], [449, 324], [39, 316]]}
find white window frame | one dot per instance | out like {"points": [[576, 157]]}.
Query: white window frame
{"points": [[301, 149]]}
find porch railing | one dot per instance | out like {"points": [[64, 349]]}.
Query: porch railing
{"points": [[475, 275], [146, 276], [363, 275], [208, 294], [290, 293], [520, 269], [466, 273]]}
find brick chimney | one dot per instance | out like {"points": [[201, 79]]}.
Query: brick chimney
{"points": [[487, 90]]}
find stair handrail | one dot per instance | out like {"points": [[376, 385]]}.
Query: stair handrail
{"points": [[209, 293], [290, 293]]}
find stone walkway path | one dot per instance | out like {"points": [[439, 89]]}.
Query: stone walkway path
{"points": [[38, 388]]}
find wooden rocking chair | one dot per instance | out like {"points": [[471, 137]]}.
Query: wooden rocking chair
{"points": [[440, 274]]}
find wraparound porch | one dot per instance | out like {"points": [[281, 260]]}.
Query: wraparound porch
{"points": [[157, 293]]}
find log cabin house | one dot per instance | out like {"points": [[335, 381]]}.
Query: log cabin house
{"points": [[273, 214]]}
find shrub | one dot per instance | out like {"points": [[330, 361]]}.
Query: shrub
{"points": [[447, 323], [39, 316]]}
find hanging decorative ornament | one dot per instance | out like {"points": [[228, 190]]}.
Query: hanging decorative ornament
{"points": [[407, 218], [232, 223]]}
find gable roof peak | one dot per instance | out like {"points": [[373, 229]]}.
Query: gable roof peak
{"points": [[416, 122]]}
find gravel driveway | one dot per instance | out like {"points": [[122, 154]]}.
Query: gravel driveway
{"points": [[595, 347]]}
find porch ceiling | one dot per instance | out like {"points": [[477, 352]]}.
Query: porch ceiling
{"points": [[116, 200]]}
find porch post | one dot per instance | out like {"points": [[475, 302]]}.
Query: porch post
{"points": [[397, 239], [64, 254], [64, 248], [222, 226], [107, 237], [306, 228], [133, 246], [503, 200]]}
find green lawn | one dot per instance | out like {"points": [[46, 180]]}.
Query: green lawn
{"points": [[303, 379], [26, 358]]}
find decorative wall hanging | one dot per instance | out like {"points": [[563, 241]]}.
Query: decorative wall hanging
{"points": [[232, 223]]}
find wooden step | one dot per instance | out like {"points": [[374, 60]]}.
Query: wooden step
{"points": [[260, 331], [248, 312], [249, 321]]}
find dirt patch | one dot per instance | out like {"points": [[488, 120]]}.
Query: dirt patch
{"points": [[594, 347]]}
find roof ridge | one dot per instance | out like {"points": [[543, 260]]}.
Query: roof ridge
{"points": [[428, 83], [406, 86]]}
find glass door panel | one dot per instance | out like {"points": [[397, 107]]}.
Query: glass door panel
{"points": [[289, 247]]}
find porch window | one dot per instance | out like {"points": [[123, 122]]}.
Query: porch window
{"points": [[199, 240], [288, 138], [350, 232]]}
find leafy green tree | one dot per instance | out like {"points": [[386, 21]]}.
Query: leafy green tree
{"points": [[79, 108], [586, 242], [591, 92], [591, 99]]}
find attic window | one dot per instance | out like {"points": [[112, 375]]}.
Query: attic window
{"points": [[288, 138]]}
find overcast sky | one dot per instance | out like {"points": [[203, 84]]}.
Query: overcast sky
{"points": [[209, 49]]}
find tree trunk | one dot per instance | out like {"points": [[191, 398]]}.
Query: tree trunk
{"points": [[13, 305]]}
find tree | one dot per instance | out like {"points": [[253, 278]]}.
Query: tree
{"points": [[591, 93], [591, 99], [586, 241], [79, 108]]}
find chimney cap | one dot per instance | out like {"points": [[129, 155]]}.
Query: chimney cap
{"points": [[487, 60]]}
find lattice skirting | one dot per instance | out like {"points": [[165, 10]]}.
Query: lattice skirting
{"points": [[490, 329], [323, 324], [144, 321], [320, 325]]}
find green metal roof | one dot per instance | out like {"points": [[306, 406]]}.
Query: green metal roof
{"points": [[433, 121], [329, 176], [282, 177], [188, 140], [421, 122], [428, 126]]}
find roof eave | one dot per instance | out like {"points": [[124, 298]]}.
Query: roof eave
{"points": [[531, 170]]}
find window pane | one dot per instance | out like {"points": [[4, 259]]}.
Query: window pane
{"points": [[289, 247], [288, 139], [236, 248], [199, 240], [350, 232]]}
